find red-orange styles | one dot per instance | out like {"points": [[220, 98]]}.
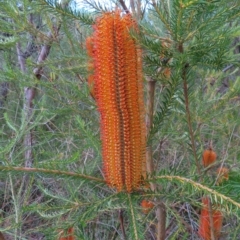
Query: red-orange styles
{"points": [[204, 224], [118, 90], [209, 157]]}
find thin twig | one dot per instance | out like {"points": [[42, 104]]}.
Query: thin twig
{"points": [[161, 208], [227, 68], [162, 17], [178, 212], [211, 219], [1, 236], [188, 114], [45, 50], [132, 5], [139, 11], [16, 207], [161, 216], [49, 171], [124, 6], [197, 186], [151, 84], [120, 214]]}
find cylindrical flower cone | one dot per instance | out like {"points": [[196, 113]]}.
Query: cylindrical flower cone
{"points": [[118, 90], [204, 230]]}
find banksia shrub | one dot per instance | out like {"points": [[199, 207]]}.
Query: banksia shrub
{"points": [[204, 224], [209, 157], [118, 90]]}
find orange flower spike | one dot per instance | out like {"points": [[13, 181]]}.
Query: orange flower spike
{"points": [[135, 101], [209, 157], [146, 206], [217, 222], [71, 233], [204, 225], [119, 96]]}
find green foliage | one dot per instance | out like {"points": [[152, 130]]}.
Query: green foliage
{"points": [[64, 186], [7, 42], [55, 7]]}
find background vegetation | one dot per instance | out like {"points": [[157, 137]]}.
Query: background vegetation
{"points": [[50, 151]]}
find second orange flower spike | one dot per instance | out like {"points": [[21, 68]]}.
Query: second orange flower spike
{"points": [[209, 157]]}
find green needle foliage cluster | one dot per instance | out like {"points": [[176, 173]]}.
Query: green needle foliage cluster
{"points": [[51, 175]]}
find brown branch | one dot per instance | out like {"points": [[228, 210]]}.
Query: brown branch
{"points": [[45, 52], [21, 59], [29, 95], [161, 217], [124, 6], [120, 214], [161, 208], [149, 121], [139, 11], [136, 9], [1, 236], [188, 114], [132, 5]]}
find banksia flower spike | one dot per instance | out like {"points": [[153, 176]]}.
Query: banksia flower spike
{"points": [[118, 90], [204, 224], [209, 157]]}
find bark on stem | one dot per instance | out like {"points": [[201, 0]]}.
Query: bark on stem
{"points": [[120, 214], [124, 6], [188, 114], [161, 208], [30, 92], [50, 172], [1, 236], [29, 95], [149, 121]]}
